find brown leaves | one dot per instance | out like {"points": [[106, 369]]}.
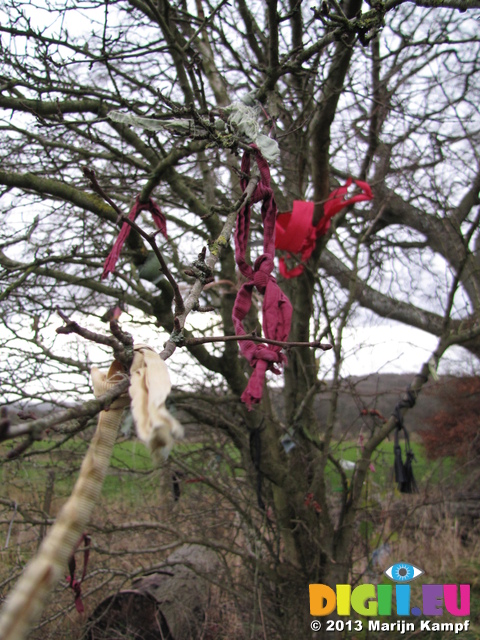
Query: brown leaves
{"points": [[455, 430]]}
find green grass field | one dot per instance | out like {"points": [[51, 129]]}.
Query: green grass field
{"points": [[426, 472], [131, 468]]}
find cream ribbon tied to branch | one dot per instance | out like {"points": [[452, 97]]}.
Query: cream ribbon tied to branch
{"points": [[149, 389]]}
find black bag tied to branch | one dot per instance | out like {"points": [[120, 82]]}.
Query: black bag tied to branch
{"points": [[404, 470]]}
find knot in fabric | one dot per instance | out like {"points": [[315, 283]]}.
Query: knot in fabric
{"points": [[267, 354], [276, 307], [263, 264], [262, 269], [261, 192]]}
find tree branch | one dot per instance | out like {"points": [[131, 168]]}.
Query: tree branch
{"points": [[89, 409], [316, 344], [220, 243]]}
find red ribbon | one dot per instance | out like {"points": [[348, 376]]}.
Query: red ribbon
{"points": [[295, 232], [276, 309], [72, 581], [158, 219]]}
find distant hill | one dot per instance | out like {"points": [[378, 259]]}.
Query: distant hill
{"points": [[380, 392]]}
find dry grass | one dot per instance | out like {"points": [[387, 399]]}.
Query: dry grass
{"points": [[422, 530], [137, 525], [132, 533]]}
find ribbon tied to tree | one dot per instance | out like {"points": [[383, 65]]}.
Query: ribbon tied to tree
{"points": [[295, 232], [158, 219], [276, 309], [76, 584]]}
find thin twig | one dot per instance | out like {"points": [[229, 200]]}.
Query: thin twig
{"points": [[90, 175], [255, 338], [120, 349], [210, 262], [179, 304], [203, 24]]}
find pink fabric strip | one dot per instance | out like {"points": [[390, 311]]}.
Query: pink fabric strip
{"points": [[276, 310], [158, 219]]}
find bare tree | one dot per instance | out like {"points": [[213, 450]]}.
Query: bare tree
{"points": [[386, 93]]}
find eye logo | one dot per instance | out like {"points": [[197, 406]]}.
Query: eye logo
{"points": [[403, 572]]}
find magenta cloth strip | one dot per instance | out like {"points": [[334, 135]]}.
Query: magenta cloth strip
{"points": [[276, 310], [158, 219]]}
